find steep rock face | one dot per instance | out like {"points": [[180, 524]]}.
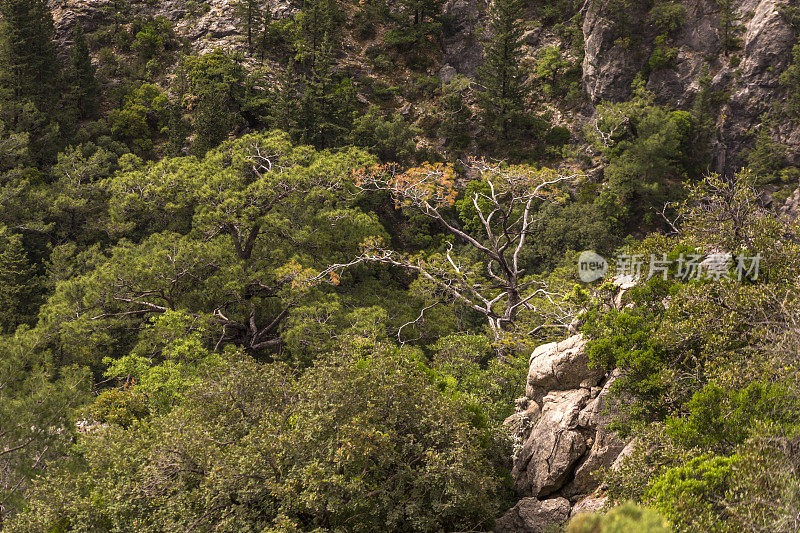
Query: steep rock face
{"points": [[462, 50], [749, 74], [561, 430]]}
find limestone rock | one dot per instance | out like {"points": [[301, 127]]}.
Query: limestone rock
{"points": [[534, 516], [560, 366], [605, 450], [554, 445], [590, 504]]}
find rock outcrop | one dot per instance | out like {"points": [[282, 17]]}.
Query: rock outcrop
{"points": [[748, 73], [562, 437]]}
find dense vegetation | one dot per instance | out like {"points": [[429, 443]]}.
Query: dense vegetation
{"points": [[235, 297]]}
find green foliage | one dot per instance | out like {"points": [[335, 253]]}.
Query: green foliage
{"points": [[30, 67], [648, 149], [85, 88], [668, 17], [216, 83], [361, 442], [503, 96], [118, 406], [36, 403], [20, 287], [141, 118], [489, 384], [455, 114], [625, 518], [719, 419], [790, 80], [550, 67], [691, 496], [389, 139]]}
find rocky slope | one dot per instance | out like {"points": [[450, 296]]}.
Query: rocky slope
{"points": [[749, 73]]}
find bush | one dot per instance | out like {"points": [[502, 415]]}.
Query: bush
{"points": [[691, 496], [627, 518]]}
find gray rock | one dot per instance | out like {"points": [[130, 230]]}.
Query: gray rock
{"points": [[590, 504], [750, 75], [534, 516], [595, 415], [462, 47], [560, 366], [554, 445], [447, 73], [605, 450]]}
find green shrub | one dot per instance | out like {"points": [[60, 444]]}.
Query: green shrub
{"points": [[691, 496], [627, 518]]}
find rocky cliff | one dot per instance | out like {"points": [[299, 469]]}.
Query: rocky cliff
{"points": [[747, 72]]}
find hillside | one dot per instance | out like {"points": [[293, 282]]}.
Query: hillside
{"points": [[399, 265]]}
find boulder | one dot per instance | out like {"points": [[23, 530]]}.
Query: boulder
{"points": [[554, 445], [590, 504], [534, 516], [560, 366]]}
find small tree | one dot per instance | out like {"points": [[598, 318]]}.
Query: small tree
{"points": [[502, 99], [497, 209], [85, 88], [19, 285]]}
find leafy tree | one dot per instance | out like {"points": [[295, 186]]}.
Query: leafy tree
{"points": [[550, 66], [232, 239], [647, 147], [35, 416], [362, 441], [456, 115], [693, 495], [216, 80], [389, 139]]}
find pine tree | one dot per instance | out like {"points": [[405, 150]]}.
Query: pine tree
{"points": [[85, 88], [30, 67], [317, 31], [19, 286], [249, 13], [502, 99]]}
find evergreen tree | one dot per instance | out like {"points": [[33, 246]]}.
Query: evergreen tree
{"points": [[502, 99], [85, 88], [455, 127], [30, 66], [18, 285], [327, 105], [249, 13], [317, 30]]}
